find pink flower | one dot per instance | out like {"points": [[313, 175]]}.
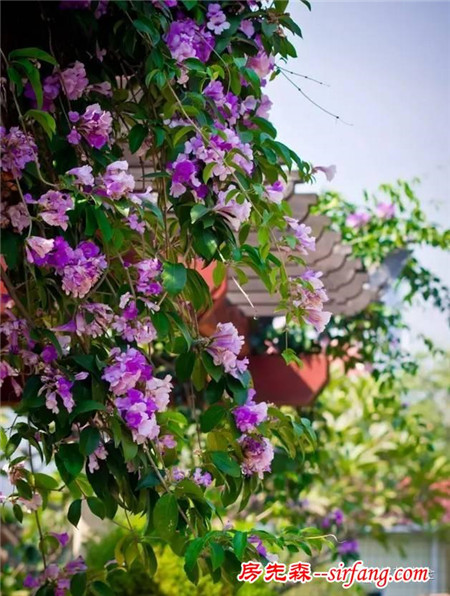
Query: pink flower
{"points": [[54, 206], [202, 478], [258, 455], [127, 369], [74, 80], [262, 63], [116, 182], [329, 171], [225, 345], [385, 210], [251, 414], [275, 192], [217, 21], [17, 149], [99, 454], [233, 212], [357, 220], [83, 175], [96, 126], [19, 216], [247, 28], [38, 248], [305, 242]]}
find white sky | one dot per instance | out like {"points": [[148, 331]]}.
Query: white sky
{"points": [[388, 67]]}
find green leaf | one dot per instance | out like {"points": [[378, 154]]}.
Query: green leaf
{"points": [[174, 277], [188, 488], [96, 506], [86, 406], [193, 552], [74, 513], [290, 356], [18, 513], [265, 126], [225, 463], [211, 418], [240, 544], [206, 244], [219, 273], [44, 119], [89, 440], [180, 133], [78, 584], [198, 211], [149, 481], [99, 588], [71, 457], [34, 77], [45, 481], [136, 137], [217, 555], [35, 53], [129, 448], [165, 515], [207, 172], [184, 366], [103, 224]]}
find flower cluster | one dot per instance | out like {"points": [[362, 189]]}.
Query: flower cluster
{"points": [[80, 268], [55, 577], [17, 149], [309, 296], [16, 216], [251, 414], [139, 395], [224, 347], [53, 208], [185, 39], [95, 125], [230, 209], [304, 241], [198, 153], [258, 455]]}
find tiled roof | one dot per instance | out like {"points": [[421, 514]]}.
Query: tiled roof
{"points": [[346, 281]]}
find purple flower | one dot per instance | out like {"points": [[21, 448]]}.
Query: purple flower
{"points": [[202, 478], [309, 295], [214, 90], [148, 270], [17, 149], [225, 345], [19, 217], [50, 91], [30, 582], [262, 63], [74, 81], [74, 137], [54, 206], [49, 353], [83, 175], [258, 455], [185, 39], [385, 210], [338, 517], [348, 547], [247, 28], [116, 182], [184, 173], [305, 242], [55, 385], [95, 125], [329, 171], [99, 454], [251, 414], [62, 538], [275, 192], [73, 116], [233, 212], [127, 369], [177, 474], [357, 220], [217, 21], [76, 566]]}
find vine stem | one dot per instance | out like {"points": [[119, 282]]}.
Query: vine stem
{"points": [[13, 294]]}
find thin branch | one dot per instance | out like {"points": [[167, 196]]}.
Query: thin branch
{"points": [[300, 90]]}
